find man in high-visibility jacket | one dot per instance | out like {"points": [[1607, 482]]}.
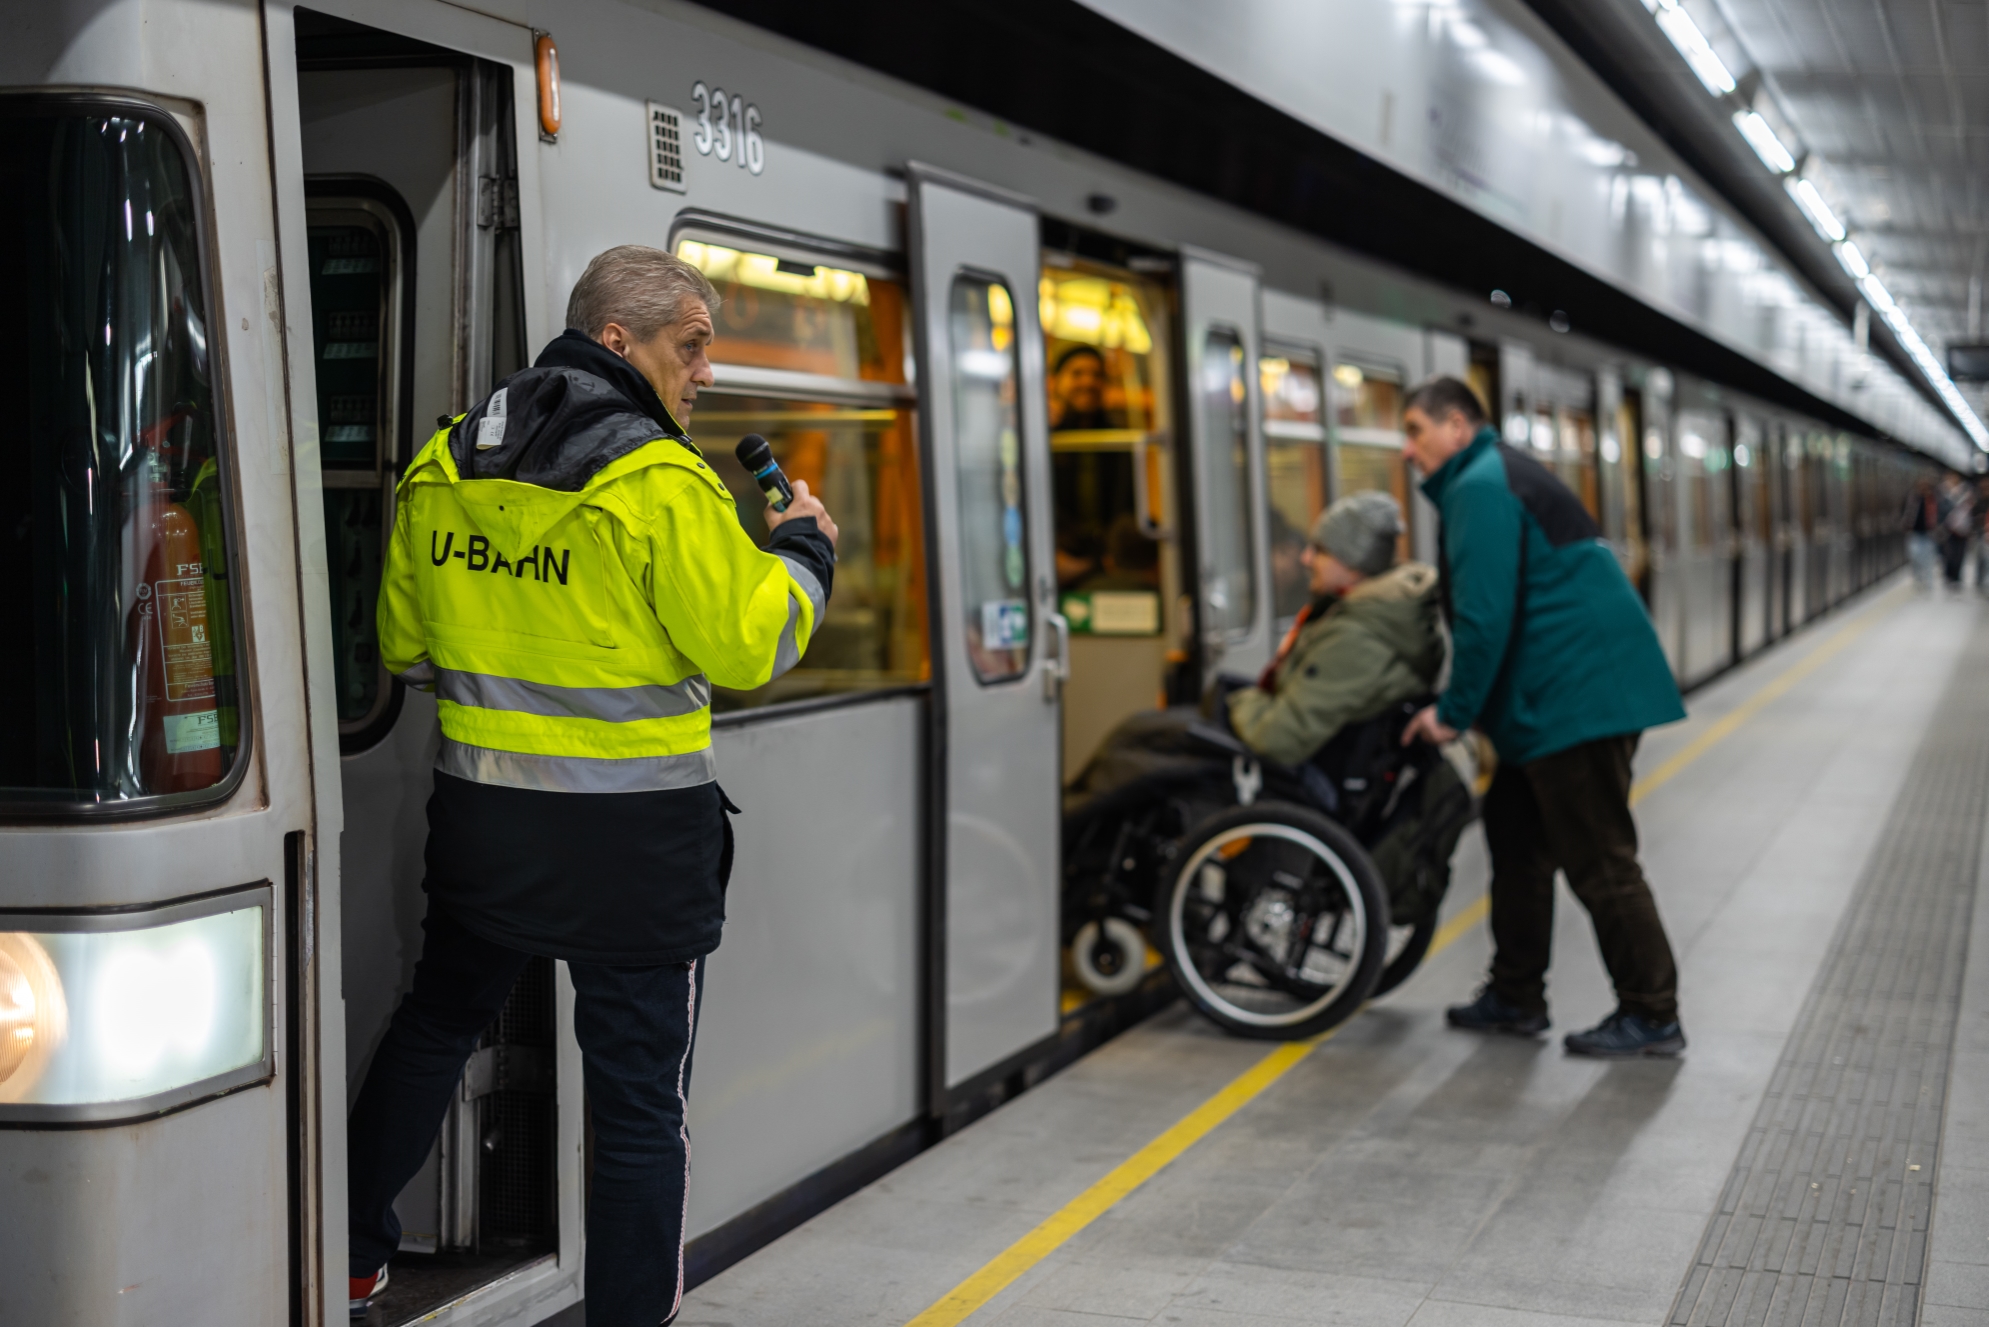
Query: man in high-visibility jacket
{"points": [[570, 577]]}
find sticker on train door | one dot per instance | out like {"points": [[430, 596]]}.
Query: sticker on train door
{"points": [[1004, 623]]}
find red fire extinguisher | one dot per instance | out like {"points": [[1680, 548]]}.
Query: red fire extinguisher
{"points": [[177, 722]]}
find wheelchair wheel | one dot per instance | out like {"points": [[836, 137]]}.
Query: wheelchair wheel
{"points": [[1110, 958], [1274, 923], [1407, 947]]}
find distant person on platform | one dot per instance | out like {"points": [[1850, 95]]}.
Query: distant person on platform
{"points": [[1922, 523], [1370, 638], [1555, 660], [1077, 392], [1957, 507], [1982, 537]]}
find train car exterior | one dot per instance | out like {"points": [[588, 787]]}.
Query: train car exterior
{"points": [[262, 248]]}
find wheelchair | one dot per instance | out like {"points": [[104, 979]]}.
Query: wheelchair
{"points": [[1281, 897]]}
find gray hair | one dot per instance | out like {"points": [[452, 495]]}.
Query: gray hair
{"points": [[1360, 531], [1440, 396], [643, 289]]}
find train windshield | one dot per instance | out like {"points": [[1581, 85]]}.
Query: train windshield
{"points": [[813, 358], [118, 662]]}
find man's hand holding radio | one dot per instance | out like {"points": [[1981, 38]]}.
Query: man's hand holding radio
{"points": [[804, 504]]}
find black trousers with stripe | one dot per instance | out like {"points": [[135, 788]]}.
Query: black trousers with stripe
{"points": [[635, 1026]]}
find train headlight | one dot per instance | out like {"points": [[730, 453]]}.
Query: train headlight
{"points": [[109, 1015]]}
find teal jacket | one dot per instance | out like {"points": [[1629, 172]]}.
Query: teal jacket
{"points": [[1569, 658]]}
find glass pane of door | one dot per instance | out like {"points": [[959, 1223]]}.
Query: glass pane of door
{"points": [[119, 654], [1295, 464], [357, 253], [862, 462], [994, 533], [1222, 396]]}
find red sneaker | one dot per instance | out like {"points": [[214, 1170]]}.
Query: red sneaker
{"points": [[364, 1288]]}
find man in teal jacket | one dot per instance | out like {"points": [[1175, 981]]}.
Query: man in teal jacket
{"points": [[1554, 659]]}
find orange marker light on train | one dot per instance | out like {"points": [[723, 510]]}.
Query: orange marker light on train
{"points": [[546, 53]]}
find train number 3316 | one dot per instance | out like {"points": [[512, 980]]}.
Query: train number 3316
{"points": [[728, 130]]}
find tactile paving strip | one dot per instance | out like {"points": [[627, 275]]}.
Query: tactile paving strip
{"points": [[1824, 1220]]}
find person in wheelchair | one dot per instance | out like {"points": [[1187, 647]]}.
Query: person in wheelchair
{"points": [[1369, 639], [1284, 850]]}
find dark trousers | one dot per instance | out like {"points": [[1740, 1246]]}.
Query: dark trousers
{"points": [[1954, 553], [635, 1026], [1571, 811]]}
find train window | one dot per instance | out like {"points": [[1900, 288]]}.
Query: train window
{"points": [[1365, 397], [1222, 395], [839, 416], [783, 313], [1367, 436], [863, 462], [1110, 462], [1295, 463], [1573, 443], [994, 522], [358, 250], [119, 659]]}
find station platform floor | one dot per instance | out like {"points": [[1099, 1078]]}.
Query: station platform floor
{"points": [[1820, 1154]]}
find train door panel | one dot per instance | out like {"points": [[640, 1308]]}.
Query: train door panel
{"points": [[1661, 516], [1754, 561], [975, 262], [1703, 495], [407, 212], [1219, 300]]}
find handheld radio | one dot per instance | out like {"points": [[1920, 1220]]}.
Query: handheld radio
{"points": [[758, 458]]}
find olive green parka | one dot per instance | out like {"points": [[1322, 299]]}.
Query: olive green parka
{"points": [[1380, 644]]}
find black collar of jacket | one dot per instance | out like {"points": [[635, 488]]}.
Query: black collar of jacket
{"points": [[581, 407]]}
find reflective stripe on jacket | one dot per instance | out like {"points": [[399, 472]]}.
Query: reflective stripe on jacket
{"points": [[572, 635]]}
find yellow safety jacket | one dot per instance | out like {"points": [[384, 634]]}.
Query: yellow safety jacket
{"points": [[572, 636]]}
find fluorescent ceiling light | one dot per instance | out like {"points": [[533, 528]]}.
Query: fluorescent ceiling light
{"points": [[1818, 211], [1764, 142], [1853, 259], [1692, 44], [1877, 295]]}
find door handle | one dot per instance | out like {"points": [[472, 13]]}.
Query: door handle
{"points": [[1056, 670]]}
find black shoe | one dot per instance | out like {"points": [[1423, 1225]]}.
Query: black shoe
{"points": [[1624, 1036], [1488, 1013]]}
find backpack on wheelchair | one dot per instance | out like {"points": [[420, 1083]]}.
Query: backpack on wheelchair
{"points": [[1282, 897]]}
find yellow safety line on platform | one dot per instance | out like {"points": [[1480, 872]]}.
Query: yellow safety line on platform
{"points": [[1056, 1230]]}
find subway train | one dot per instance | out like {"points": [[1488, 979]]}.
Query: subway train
{"points": [[260, 250]]}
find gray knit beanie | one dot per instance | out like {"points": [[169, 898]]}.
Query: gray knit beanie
{"points": [[1360, 530]]}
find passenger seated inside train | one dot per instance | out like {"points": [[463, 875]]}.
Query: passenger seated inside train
{"points": [[1368, 639]]}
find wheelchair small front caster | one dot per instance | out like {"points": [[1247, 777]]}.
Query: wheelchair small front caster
{"points": [[1110, 958]]}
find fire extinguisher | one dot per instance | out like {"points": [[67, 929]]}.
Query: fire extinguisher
{"points": [[178, 724]]}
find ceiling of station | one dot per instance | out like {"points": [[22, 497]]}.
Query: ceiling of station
{"points": [[1893, 98], [1881, 105]]}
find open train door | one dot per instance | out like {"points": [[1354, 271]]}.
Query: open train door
{"points": [[1219, 305], [1001, 647]]}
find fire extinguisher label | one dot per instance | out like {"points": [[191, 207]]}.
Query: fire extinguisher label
{"points": [[192, 732], [183, 643]]}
